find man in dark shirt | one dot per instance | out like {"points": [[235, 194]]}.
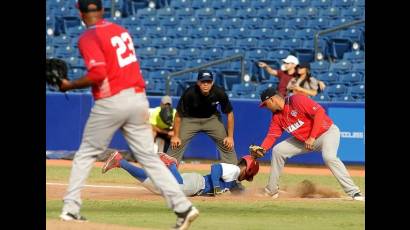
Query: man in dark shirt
{"points": [[285, 75], [197, 112]]}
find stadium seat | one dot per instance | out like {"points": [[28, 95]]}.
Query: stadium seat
{"points": [[248, 12], [176, 64], [137, 31], [191, 22], [240, 4], [330, 78], [178, 4], [305, 55], [359, 67], [131, 22], [229, 78], [205, 13], [359, 3], [210, 23], [156, 31], [62, 40], [197, 32], [256, 55], [330, 13], [217, 33], [145, 13], [308, 13], [321, 97], [353, 12], [168, 52], [278, 54], [354, 56], [232, 23], [190, 53], [259, 4], [142, 41], [321, 3], [351, 78], [269, 43], [296, 23], [220, 4], [342, 3], [319, 23], [204, 42], [247, 43], [49, 51], [337, 47], [320, 66], [274, 23], [169, 22], [262, 87], [305, 34], [74, 31], [243, 89], [152, 63], [199, 4], [351, 34], [150, 22], [253, 23], [357, 91], [225, 43], [184, 12], [146, 52], [284, 33], [225, 13], [338, 21], [177, 32], [195, 62], [341, 67], [300, 3], [287, 13], [336, 90], [231, 52], [212, 54], [266, 13], [165, 12], [239, 33], [344, 98], [291, 44], [281, 3], [183, 42]]}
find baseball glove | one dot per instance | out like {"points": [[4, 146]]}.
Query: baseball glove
{"points": [[56, 71], [168, 160], [256, 151]]}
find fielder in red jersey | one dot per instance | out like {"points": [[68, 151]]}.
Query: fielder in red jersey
{"points": [[311, 130]]}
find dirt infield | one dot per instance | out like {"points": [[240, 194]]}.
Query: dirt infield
{"points": [[298, 170], [61, 225]]}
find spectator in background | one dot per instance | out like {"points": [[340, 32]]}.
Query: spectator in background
{"points": [[304, 83], [162, 120], [287, 72]]}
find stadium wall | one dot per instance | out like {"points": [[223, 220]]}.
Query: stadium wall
{"points": [[251, 125]]}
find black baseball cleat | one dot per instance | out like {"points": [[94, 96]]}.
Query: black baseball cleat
{"points": [[66, 216], [185, 219]]}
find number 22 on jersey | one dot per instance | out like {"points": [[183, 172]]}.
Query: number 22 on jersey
{"points": [[122, 44]]}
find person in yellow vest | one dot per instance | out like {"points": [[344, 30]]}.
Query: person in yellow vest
{"points": [[162, 120]]}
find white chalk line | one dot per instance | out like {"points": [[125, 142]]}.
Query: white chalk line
{"points": [[100, 186]]}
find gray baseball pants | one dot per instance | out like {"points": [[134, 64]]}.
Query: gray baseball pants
{"points": [[327, 143], [127, 111]]}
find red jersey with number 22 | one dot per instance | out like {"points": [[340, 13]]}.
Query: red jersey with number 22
{"points": [[297, 119], [110, 58]]}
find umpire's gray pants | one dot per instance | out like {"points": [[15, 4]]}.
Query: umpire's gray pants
{"points": [[127, 111], [327, 143], [212, 126]]}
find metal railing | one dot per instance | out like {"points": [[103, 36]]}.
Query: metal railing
{"points": [[206, 65], [327, 31]]}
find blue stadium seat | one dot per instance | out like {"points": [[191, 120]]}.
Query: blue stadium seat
{"points": [[247, 43], [175, 63], [258, 4], [204, 42], [256, 55], [343, 3], [351, 78], [331, 12], [344, 98], [240, 4], [62, 40], [183, 42], [158, 75], [243, 88], [49, 51], [195, 62], [296, 23], [300, 3], [78, 63], [322, 97], [156, 31], [170, 22], [177, 4], [336, 90], [338, 21], [253, 23], [330, 78], [337, 47], [285, 33], [168, 52], [150, 21], [225, 43], [229, 78], [147, 52], [191, 22], [359, 67], [319, 23], [357, 91], [220, 32], [137, 31], [308, 44], [281, 3], [274, 23], [220, 4], [197, 32], [291, 44], [354, 56], [269, 43], [137, 6], [351, 34], [199, 4], [75, 73], [131, 22], [184, 12], [165, 12], [308, 12], [205, 13], [322, 3], [177, 32], [278, 54], [341, 67], [248, 12], [305, 34], [210, 23], [262, 87], [353, 12], [239, 33], [225, 13], [190, 53], [142, 41], [212, 54], [320, 66], [75, 31], [305, 55], [232, 23], [359, 3], [152, 63], [287, 13], [145, 13], [266, 13]]}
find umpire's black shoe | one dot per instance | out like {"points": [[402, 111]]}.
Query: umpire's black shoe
{"points": [[66, 216], [185, 219]]}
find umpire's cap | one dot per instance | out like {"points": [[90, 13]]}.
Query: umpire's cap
{"points": [[205, 75], [266, 94], [85, 5], [252, 167]]}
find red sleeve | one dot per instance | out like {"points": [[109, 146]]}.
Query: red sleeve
{"points": [[93, 59], [311, 108], [280, 73], [273, 133]]}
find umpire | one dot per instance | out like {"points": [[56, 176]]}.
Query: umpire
{"points": [[197, 112]]}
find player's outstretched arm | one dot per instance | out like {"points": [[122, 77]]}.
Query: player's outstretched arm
{"points": [[83, 82]]}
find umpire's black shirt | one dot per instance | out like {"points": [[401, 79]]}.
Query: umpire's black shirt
{"points": [[194, 104]]}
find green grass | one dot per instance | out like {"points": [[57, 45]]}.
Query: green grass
{"points": [[278, 214]]}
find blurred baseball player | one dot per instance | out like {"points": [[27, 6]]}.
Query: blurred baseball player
{"points": [[311, 130], [120, 103], [222, 178]]}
